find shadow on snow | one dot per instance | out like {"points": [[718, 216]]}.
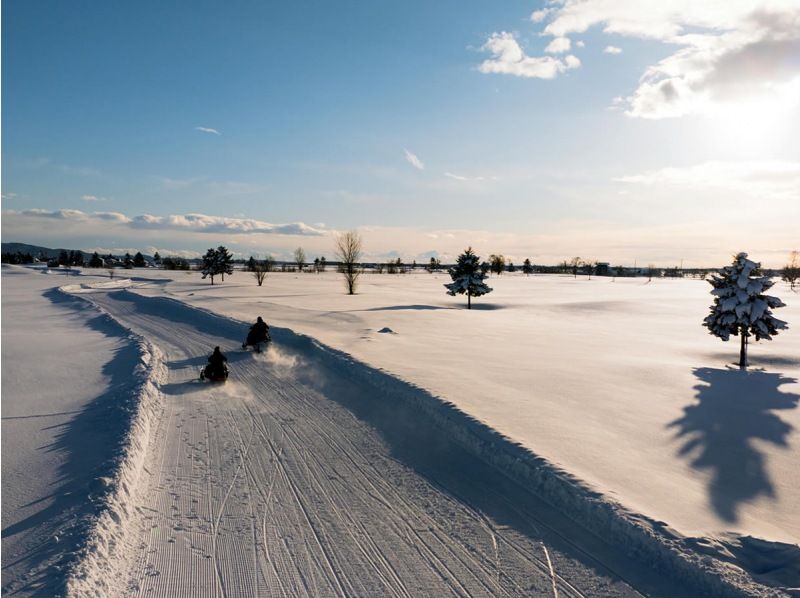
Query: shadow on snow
{"points": [[734, 408]]}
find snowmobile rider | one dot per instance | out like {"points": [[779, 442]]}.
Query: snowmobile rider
{"points": [[216, 363], [259, 332]]}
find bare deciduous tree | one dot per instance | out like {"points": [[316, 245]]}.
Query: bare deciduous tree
{"points": [[348, 253], [300, 258], [260, 269], [574, 265], [498, 263], [791, 271]]}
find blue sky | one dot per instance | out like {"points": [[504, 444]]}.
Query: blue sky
{"points": [[427, 126]]}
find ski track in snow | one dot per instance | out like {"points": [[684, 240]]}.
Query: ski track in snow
{"points": [[267, 486]]}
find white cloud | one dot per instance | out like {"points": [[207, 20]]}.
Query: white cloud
{"points": [[765, 180], [414, 160], [196, 223], [727, 50], [612, 50], [9, 196], [92, 198], [558, 46], [537, 16], [580, 44], [208, 130], [164, 252], [509, 59], [460, 177]]}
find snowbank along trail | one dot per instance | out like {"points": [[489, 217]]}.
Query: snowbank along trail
{"points": [[292, 480]]}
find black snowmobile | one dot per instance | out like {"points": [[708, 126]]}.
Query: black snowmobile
{"points": [[214, 374], [217, 368], [258, 337]]}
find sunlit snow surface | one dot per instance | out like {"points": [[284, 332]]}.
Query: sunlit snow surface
{"points": [[616, 381], [613, 381]]}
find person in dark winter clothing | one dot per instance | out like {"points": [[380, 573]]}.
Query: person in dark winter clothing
{"points": [[216, 367], [259, 333]]}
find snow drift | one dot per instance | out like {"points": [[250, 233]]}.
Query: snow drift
{"points": [[104, 549]]}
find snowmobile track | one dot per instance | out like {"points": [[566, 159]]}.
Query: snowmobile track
{"points": [[291, 480]]}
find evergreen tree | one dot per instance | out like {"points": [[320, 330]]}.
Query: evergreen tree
{"points": [[468, 277], [211, 264], [511, 267], [250, 265], [485, 267], [322, 264], [225, 261], [157, 258], [138, 260], [740, 308], [128, 263], [527, 268], [96, 261], [63, 258]]}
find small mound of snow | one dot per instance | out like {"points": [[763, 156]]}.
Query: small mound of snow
{"points": [[387, 330], [88, 287]]}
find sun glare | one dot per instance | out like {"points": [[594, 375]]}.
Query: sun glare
{"points": [[754, 125]]}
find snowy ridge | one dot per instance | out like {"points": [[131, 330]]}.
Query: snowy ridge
{"points": [[104, 553]]}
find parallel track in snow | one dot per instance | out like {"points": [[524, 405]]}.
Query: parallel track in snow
{"points": [[289, 480]]}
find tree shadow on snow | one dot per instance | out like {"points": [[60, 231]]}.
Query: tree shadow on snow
{"points": [[486, 306], [734, 408], [87, 446], [408, 307]]}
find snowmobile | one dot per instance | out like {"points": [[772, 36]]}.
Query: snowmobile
{"points": [[258, 343], [214, 374]]}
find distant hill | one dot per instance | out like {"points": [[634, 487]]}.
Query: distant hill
{"points": [[38, 251]]}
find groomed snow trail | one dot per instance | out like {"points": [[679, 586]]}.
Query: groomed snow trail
{"points": [[289, 480]]}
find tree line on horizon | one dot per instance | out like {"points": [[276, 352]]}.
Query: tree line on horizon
{"points": [[497, 264]]}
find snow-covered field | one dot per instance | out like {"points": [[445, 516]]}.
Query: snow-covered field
{"points": [[614, 383]]}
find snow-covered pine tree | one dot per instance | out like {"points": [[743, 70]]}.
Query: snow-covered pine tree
{"points": [[468, 277], [527, 267], [224, 261], [740, 307], [211, 264]]}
